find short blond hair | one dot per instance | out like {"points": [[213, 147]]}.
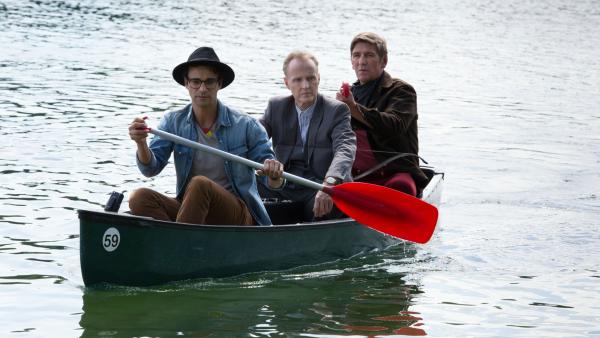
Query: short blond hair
{"points": [[373, 39], [298, 54]]}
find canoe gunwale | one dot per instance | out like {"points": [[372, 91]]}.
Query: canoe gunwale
{"points": [[141, 221]]}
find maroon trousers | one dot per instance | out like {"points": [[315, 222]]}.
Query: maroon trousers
{"points": [[204, 202], [365, 160], [398, 181]]}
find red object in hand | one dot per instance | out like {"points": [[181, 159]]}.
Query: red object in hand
{"points": [[345, 89]]}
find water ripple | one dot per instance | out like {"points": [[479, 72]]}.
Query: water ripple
{"points": [[508, 108]]}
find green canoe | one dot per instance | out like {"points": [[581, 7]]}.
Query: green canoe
{"points": [[122, 249]]}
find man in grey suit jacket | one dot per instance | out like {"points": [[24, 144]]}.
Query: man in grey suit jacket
{"points": [[311, 136]]}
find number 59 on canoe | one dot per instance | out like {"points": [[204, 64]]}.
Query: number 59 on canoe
{"points": [[383, 209]]}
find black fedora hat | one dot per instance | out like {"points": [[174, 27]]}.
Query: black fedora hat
{"points": [[204, 56]]}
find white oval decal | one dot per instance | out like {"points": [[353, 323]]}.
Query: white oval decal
{"points": [[111, 239]]}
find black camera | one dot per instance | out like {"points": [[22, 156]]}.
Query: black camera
{"points": [[114, 202]]}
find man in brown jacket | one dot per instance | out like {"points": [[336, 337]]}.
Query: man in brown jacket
{"points": [[384, 118]]}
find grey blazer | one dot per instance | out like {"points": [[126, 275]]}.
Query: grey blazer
{"points": [[331, 141]]}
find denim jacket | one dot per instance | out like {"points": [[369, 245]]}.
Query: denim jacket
{"points": [[238, 133]]}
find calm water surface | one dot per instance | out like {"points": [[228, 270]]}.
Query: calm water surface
{"points": [[509, 101]]}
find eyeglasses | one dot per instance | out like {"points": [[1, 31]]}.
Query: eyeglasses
{"points": [[210, 83]]}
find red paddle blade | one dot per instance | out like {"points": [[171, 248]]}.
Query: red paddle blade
{"points": [[383, 209]]}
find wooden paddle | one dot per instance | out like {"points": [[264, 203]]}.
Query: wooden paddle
{"points": [[383, 209]]}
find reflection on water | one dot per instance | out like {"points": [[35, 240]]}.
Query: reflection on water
{"points": [[328, 302], [508, 108]]}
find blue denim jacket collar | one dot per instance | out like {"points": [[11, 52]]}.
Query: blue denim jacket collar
{"points": [[222, 116]]}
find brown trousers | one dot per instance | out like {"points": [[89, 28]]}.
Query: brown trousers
{"points": [[204, 202]]}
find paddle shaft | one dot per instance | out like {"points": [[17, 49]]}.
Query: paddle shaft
{"points": [[177, 139]]}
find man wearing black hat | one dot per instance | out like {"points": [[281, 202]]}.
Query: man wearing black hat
{"points": [[210, 189]]}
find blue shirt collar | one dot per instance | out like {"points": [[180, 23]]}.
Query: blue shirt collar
{"points": [[308, 110]]}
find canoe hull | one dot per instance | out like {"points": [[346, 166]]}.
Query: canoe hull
{"points": [[124, 249], [154, 252]]}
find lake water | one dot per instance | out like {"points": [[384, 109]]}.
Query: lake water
{"points": [[509, 107]]}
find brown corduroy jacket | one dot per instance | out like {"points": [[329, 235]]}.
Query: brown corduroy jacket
{"points": [[392, 113]]}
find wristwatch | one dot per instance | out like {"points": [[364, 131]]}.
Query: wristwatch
{"points": [[332, 180]]}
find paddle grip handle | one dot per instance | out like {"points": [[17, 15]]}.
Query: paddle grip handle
{"points": [[202, 147]]}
